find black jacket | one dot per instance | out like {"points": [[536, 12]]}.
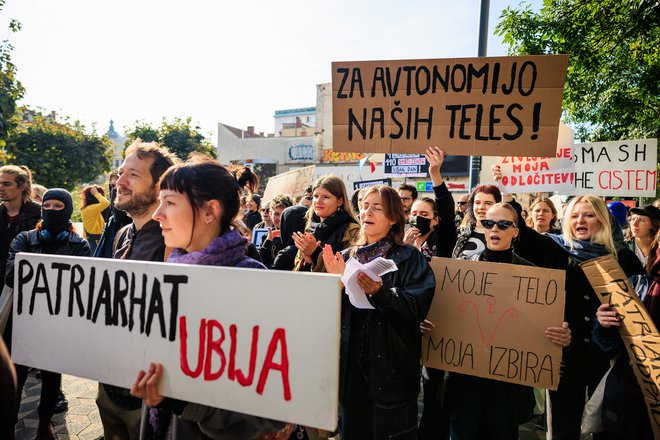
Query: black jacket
{"points": [[28, 218], [384, 344], [29, 241], [442, 240]]}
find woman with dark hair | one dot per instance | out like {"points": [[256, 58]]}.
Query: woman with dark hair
{"points": [[199, 200], [330, 221], [485, 408], [252, 216], [55, 235], [381, 347], [543, 217], [471, 239], [92, 207], [642, 236]]}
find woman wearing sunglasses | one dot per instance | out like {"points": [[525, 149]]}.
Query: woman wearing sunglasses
{"points": [[484, 408]]}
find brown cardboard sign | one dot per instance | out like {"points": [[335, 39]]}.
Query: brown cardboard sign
{"points": [[488, 106], [292, 182], [638, 332], [490, 321]]}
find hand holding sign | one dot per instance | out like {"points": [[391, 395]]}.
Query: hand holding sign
{"points": [[561, 336], [607, 317], [146, 385]]}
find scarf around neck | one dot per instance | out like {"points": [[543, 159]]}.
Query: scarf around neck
{"points": [[381, 248], [226, 250], [323, 229], [581, 250]]}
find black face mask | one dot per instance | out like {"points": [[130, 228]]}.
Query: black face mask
{"points": [[55, 220], [421, 223]]}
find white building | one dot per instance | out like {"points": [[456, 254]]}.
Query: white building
{"points": [[295, 122]]}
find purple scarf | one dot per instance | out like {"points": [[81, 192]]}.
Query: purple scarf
{"points": [[226, 250], [381, 248]]}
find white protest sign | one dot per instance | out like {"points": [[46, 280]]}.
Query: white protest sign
{"points": [[522, 175], [620, 168], [225, 336]]}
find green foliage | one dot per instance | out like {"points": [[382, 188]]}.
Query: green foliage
{"points": [[179, 136], [59, 154], [11, 89], [612, 87]]}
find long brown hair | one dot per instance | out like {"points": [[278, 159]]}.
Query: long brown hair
{"points": [[493, 190], [335, 186], [393, 210]]}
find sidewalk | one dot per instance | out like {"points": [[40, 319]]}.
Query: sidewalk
{"points": [[81, 421]]}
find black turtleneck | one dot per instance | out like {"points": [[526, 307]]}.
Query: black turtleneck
{"points": [[497, 256]]}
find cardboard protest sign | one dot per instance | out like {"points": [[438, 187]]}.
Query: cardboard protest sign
{"points": [[522, 175], [638, 332], [487, 106], [292, 182], [224, 335], [490, 321], [620, 168]]}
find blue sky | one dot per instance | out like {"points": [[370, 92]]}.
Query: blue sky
{"points": [[219, 61]]}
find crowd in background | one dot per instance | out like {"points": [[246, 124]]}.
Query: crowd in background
{"points": [[200, 212]]}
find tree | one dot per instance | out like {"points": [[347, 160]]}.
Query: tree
{"points": [[59, 154], [179, 136], [612, 87], [11, 89]]}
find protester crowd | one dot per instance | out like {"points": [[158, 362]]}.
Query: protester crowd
{"points": [[200, 212]]}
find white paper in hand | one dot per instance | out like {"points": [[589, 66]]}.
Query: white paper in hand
{"points": [[373, 269]]}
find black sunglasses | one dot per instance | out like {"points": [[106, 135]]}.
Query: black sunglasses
{"points": [[502, 225]]}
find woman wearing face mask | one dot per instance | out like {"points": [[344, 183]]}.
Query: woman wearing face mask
{"points": [[484, 408], [543, 217], [433, 230], [54, 235], [381, 347], [330, 221], [199, 200]]}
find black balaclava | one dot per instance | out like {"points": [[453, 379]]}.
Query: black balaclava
{"points": [[53, 220]]}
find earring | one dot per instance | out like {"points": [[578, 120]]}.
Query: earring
{"points": [[208, 220]]}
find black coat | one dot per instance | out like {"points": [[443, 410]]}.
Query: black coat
{"points": [[29, 241], [28, 218], [385, 344]]}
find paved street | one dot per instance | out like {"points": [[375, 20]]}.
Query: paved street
{"points": [[82, 420]]}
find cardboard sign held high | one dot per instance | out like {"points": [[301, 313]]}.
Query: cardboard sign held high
{"points": [[292, 182], [500, 106], [490, 320]]}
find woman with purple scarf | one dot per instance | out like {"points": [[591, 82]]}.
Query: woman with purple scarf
{"points": [[199, 200], [381, 347]]}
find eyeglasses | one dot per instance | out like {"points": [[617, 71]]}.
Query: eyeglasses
{"points": [[502, 225], [406, 199]]}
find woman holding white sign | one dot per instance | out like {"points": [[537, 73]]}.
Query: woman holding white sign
{"points": [[199, 200], [55, 235], [381, 344]]}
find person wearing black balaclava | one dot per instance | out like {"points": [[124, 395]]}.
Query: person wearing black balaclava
{"points": [[54, 235]]}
